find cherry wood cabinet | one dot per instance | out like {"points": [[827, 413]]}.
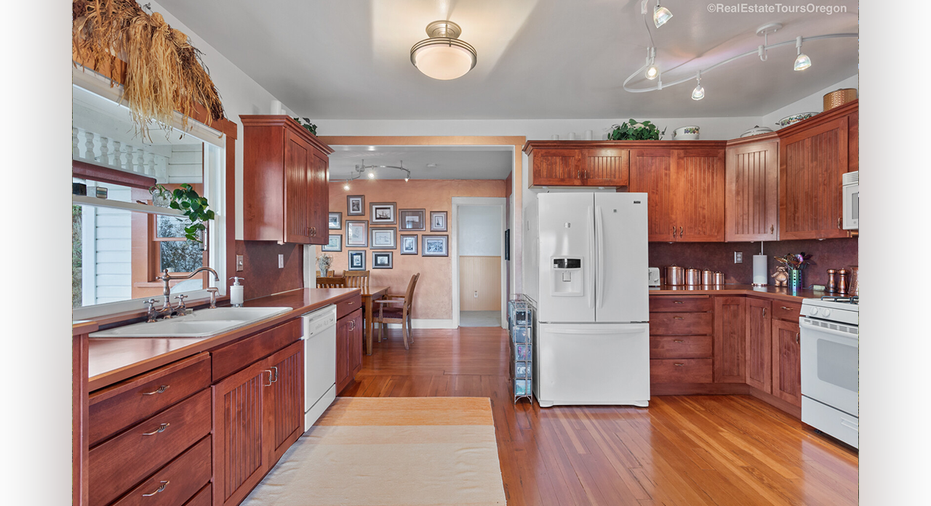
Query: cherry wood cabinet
{"points": [[685, 185], [680, 339], [285, 194], [759, 344], [284, 412], [578, 163], [348, 348], [751, 206], [813, 156], [730, 339], [787, 375]]}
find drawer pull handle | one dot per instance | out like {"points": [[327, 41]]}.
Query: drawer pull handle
{"points": [[678, 341], [678, 318], [276, 374], [160, 390], [787, 308], [678, 302], [160, 489], [350, 303], [679, 364], [161, 428]]}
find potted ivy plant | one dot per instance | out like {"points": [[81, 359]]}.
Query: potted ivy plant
{"points": [[635, 131], [192, 205], [305, 122]]}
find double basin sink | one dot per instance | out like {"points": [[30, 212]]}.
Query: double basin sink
{"points": [[200, 323]]}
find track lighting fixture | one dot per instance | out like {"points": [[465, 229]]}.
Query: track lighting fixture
{"points": [[802, 61], [698, 93], [652, 69], [660, 15], [369, 172]]}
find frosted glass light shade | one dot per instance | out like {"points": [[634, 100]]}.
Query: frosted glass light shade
{"points": [[698, 93], [660, 16], [802, 62], [442, 60]]}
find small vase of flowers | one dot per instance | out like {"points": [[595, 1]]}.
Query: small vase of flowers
{"points": [[795, 264]]}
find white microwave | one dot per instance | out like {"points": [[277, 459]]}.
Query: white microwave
{"points": [[852, 200]]}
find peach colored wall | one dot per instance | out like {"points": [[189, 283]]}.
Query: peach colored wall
{"points": [[433, 298]]}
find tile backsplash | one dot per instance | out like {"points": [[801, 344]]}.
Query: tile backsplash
{"points": [[826, 254]]}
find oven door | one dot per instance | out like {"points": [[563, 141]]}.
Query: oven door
{"points": [[830, 364]]}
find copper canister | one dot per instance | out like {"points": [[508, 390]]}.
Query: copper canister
{"points": [[675, 275]]}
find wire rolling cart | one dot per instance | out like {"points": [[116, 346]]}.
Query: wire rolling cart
{"points": [[520, 329]]}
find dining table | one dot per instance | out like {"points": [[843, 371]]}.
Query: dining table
{"points": [[370, 294]]}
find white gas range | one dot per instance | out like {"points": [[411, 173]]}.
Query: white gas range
{"points": [[830, 353]]}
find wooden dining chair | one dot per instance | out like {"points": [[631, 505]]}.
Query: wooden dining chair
{"points": [[397, 309], [331, 282], [357, 279]]}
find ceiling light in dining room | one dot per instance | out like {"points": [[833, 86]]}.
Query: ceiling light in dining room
{"points": [[443, 56]]}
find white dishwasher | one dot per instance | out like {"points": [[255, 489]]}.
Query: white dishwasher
{"points": [[319, 362]]}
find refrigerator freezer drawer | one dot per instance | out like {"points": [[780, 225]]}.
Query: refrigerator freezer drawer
{"points": [[588, 364]]}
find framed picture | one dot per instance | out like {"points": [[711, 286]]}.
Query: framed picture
{"points": [[438, 221], [336, 221], [335, 244], [412, 219], [355, 205], [435, 245], [357, 233], [383, 213], [384, 238], [408, 244], [357, 260], [382, 260]]}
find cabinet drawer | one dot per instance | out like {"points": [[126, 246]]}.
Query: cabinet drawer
{"points": [[680, 346], [667, 303], [122, 461], [347, 306], [789, 311], [680, 324], [176, 482], [689, 370], [114, 408], [238, 355], [202, 498]]}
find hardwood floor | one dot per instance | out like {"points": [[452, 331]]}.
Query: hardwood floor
{"points": [[682, 450]]}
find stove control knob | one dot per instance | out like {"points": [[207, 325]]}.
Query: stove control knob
{"points": [[826, 312], [813, 311]]}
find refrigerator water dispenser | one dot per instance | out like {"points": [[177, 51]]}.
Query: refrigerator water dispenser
{"points": [[567, 276]]}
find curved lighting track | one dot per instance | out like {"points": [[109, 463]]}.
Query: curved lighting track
{"points": [[360, 170], [659, 85]]}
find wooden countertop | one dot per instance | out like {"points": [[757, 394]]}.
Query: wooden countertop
{"points": [[111, 360], [771, 292]]}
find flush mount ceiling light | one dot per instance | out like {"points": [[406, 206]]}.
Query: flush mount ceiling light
{"points": [[651, 70], [802, 61], [443, 56], [360, 170]]}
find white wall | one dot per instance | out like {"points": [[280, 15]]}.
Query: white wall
{"points": [[811, 103], [478, 231]]}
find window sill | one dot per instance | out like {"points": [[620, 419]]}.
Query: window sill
{"points": [[126, 206]]}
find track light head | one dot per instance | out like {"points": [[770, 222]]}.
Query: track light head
{"points": [[802, 61], [660, 15], [698, 93]]}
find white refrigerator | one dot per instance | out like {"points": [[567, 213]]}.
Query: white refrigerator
{"points": [[593, 335]]}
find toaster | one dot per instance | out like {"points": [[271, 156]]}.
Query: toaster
{"points": [[653, 279]]}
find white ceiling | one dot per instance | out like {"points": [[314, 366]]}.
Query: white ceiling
{"points": [[537, 59]]}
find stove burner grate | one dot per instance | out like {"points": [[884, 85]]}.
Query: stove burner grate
{"points": [[848, 300]]}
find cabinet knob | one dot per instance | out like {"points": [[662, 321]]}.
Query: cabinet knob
{"points": [[772, 229]]}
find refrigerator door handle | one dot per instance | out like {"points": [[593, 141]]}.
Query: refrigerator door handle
{"points": [[633, 329], [599, 256], [590, 271]]}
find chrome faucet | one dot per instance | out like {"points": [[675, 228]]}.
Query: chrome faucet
{"points": [[166, 311]]}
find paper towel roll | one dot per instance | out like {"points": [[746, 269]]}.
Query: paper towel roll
{"points": [[759, 270]]}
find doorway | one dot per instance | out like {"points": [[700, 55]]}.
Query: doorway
{"points": [[479, 269]]}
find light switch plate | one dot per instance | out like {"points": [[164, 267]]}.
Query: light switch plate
{"points": [[738, 257], [281, 260], [238, 263]]}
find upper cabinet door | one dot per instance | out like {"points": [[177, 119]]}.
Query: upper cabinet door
{"points": [[555, 167], [605, 167], [699, 201], [651, 172], [811, 164], [751, 206], [296, 175], [318, 208]]}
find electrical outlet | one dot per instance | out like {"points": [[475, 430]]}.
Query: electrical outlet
{"points": [[281, 260], [238, 263], [738, 257], [475, 295]]}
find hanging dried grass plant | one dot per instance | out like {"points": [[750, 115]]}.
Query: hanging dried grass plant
{"points": [[164, 72]]}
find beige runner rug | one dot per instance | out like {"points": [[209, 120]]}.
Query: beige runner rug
{"points": [[388, 451]]}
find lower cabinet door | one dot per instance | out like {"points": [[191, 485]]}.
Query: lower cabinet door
{"points": [[787, 372], [729, 339], [239, 460], [355, 343], [175, 483], [284, 419], [759, 345], [343, 339]]}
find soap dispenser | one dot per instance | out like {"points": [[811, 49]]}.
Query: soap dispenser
{"points": [[236, 292]]}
